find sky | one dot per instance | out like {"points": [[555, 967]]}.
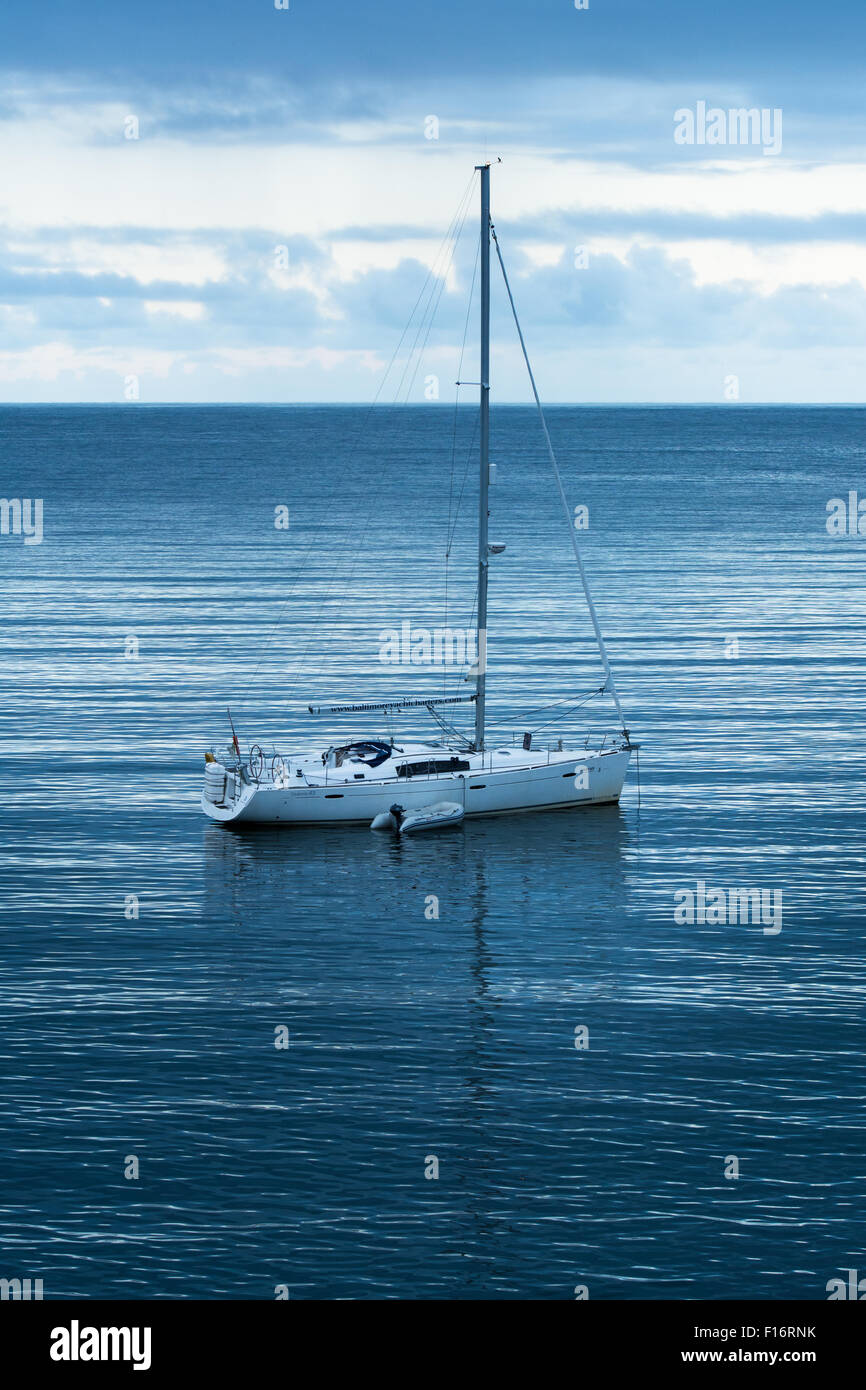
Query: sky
{"points": [[231, 201]]}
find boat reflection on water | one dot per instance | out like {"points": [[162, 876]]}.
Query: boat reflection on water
{"points": [[365, 908], [430, 987]]}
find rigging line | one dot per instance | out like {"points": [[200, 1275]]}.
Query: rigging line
{"points": [[459, 676], [451, 531], [521, 714], [457, 384], [381, 386], [423, 348], [434, 309], [450, 495], [438, 283], [344, 581], [542, 709], [469, 455], [431, 310], [580, 703], [357, 438], [602, 650], [436, 287]]}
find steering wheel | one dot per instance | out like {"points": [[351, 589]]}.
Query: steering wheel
{"points": [[278, 768], [257, 762]]}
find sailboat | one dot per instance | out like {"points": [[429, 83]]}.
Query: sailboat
{"points": [[372, 777]]}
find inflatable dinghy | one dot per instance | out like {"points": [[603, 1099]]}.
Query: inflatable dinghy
{"points": [[433, 817]]}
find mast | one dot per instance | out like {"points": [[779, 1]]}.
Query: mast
{"points": [[483, 554]]}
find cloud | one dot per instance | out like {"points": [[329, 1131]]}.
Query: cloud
{"points": [[244, 337], [268, 232], [523, 37]]}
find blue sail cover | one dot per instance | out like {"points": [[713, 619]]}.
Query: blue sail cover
{"points": [[372, 752]]}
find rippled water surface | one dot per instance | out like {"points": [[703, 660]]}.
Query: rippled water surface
{"points": [[736, 627]]}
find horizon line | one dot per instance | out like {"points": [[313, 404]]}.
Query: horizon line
{"points": [[442, 405]]}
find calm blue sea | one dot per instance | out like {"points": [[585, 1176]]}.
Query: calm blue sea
{"points": [[162, 592]]}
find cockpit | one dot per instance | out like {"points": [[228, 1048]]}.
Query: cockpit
{"points": [[369, 753]]}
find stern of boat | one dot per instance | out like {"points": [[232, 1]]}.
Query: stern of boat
{"points": [[225, 793]]}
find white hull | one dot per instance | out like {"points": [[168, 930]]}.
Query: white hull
{"points": [[497, 784]]}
